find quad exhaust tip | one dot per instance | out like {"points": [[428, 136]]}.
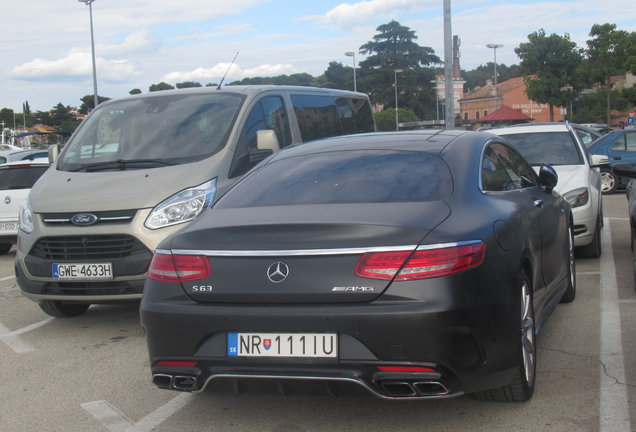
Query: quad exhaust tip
{"points": [[174, 382], [414, 388]]}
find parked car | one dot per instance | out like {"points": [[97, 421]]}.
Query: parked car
{"points": [[619, 146], [561, 145], [141, 167], [628, 170], [22, 155], [16, 180], [416, 264]]}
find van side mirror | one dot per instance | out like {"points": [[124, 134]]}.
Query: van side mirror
{"points": [[548, 176], [267, 140], [54, 152]]}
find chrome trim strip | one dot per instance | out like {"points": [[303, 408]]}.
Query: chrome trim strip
{"points": [[298, 252], [112, 218], [306, 252], [447, 245], [56, 220]]}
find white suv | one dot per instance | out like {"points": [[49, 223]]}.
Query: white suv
{"points": [[561, 145]]}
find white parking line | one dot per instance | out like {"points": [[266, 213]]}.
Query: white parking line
{"points": [[7, 278], [14, 342], [613, 410], [115, 421]]}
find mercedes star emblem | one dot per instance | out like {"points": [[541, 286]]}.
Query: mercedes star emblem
{"points": [[278, 272]]}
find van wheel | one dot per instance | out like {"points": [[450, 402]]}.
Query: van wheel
{"points": [[60, 309], [522, 386], [5, 248]]}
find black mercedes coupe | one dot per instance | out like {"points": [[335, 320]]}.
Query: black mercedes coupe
{"points": [[416, 264]]}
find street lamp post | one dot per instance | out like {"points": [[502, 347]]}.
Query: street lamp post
{"points": [[90, 9], [396, 100], [494, 47], [352, 54]]}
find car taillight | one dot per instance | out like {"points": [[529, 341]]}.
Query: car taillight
{"points": [[421, 264], [176, 363], [405, 369], [178, 268]]}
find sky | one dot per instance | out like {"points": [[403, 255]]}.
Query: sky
{"points": [[46, 47]]}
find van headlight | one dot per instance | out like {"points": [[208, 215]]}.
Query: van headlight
{"points": [[577, 197], [25, 217], [183, 206]]}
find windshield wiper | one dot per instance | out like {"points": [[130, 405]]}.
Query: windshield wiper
{"points": [[122, 164]]}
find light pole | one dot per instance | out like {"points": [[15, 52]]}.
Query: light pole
{"points": [[352, 54], [396, 101], [90, 9], [494, 47]]}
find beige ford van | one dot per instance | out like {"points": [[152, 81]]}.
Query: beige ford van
{"points": [[141, 167]]}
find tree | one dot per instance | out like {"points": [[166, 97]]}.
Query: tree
{"points": [[60, 115], [550, 64], [6, 117], [161, 86], [188, 84], [134, 91], [385, 120], [26, 109], [394, 49], [88, 103], [481, 74], [338, 76], [609, 52]]}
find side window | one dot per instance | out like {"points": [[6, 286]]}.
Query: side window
{"points": [[587, 138], [518, 169], [355, 115], [317, 117], [619, 144], [268, 114], [630, 141], [494, 176]]}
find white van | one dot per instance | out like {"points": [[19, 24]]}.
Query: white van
{"points": [[140, 167]]}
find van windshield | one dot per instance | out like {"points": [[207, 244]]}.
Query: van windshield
{"points": [[152, 131]]}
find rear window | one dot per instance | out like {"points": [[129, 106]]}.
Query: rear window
{"points": [[555, 148], [344, 177], [20, 178]]}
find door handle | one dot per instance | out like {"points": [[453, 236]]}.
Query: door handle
{"points": [[617, 158], [538, 203]]}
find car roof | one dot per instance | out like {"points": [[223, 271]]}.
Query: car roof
{"points": [[432, 141]]}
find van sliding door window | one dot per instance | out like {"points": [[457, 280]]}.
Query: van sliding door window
{"points": [[355, 115], [317, 117], [268, 113]]}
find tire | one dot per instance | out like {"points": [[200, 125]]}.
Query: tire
{"points": [[593, 250], [60, 309], [570, 292], [634, 255], [609, 182], [522, 386], [5, 248]]}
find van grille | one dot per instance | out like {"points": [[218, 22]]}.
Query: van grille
{"points": [[89, 288], [96, 247]]}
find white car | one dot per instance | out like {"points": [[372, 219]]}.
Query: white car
{"points": [[16, 180], [562, 146]]}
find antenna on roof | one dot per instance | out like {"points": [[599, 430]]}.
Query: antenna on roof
{"points": [[228, 69]]}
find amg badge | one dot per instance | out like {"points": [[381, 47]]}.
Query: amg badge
{"points": [[352, 289]]}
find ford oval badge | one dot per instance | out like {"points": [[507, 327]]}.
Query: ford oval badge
{"points": [[84, 219]]}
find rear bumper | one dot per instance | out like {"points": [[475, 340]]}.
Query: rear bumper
{"points": [[467, 348]]}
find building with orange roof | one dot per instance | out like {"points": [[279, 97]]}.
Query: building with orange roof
{"points": [[512, 93]]}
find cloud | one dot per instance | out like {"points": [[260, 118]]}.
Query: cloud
{"points": [[346, 16], [217, 72], [78, 64]]}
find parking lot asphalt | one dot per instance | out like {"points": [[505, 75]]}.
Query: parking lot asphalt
{"points": [[91, 373]]}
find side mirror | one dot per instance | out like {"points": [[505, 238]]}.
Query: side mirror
{"points": [[267, 140], [54, 152], [599, 160], [548, 176], [624, 169]]}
